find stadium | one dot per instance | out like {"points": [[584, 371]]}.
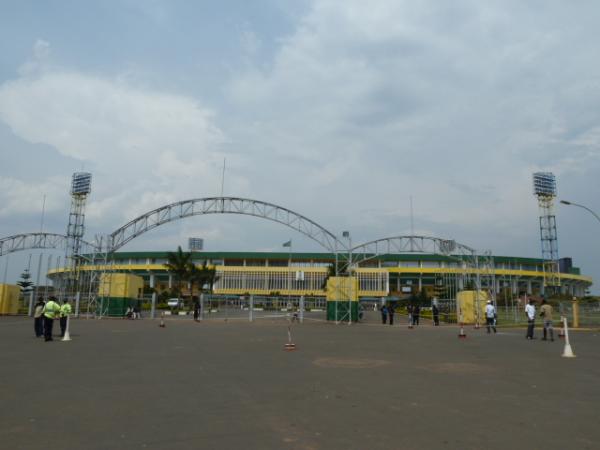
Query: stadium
{"points": [[387, 269]]}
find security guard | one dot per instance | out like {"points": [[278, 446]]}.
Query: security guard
{"points": [[65, 310], [51, 310]]}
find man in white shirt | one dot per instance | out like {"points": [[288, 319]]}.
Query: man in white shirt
{"points": [[530, 312], [490, 316]]}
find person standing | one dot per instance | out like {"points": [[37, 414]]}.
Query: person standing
{"points": [[384, 314], [490, 316], [196, 310], [530, 312], [409, 310], [546, 314], [38, 318], [416, 312], [391, 313], [436, 315], [65, 310], [50, 311]]}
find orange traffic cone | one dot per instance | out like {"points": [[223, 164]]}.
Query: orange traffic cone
{"points": [[162, 320], [461, 333]]}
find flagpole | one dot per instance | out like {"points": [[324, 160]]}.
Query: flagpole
{"points": [[290, 273]]}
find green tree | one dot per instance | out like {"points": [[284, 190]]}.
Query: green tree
{"points": [[204, 277], [179, 264], [25, 283], [341, 272]]}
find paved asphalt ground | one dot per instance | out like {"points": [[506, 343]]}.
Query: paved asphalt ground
{"points": [[229, 385]]}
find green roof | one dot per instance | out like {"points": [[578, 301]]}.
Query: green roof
{"points": [[317, 256]]}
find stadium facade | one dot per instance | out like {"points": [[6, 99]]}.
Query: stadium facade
{"points": [[305, 274]]}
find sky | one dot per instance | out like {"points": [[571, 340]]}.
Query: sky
{"points": [[341, 111]]}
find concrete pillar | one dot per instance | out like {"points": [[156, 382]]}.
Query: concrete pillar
{"points": [[529, 290], [152, 280], [170, 281], [420, 283], [514, 286], [575, 306], [30, 313], [202, 307], [77, 298], [251, 309], [153, 306]]}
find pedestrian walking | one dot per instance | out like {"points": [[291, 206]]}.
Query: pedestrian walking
{"points": [[530, 313], [546, 315], [65, 311], [436, 315], [38, 318], [409, 310], [391, 313], [490, 316], [50, 312], [384, 313], [415, 314]]}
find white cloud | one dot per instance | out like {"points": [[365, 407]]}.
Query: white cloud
{"points": [[143, 146], [25, 197], [455, 104]]}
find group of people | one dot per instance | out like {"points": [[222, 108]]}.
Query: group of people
{"points": [[133, 312], [46, 312], [546, 312], [491, 317], [387, 311], [414, 312]]}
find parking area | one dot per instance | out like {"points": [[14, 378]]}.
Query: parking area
{"points": [[229, 385]]}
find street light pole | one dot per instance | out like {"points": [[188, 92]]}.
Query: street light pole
{"points": [[566, 202]]}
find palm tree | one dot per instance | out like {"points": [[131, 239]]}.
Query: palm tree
{"points": [[180, 265], [204, 276], [342, 271]]}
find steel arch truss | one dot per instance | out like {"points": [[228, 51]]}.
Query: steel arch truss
{"points": [[412, 244], [26, 241], [223, 205]]}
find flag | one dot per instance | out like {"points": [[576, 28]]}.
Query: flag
{"points": [[288, 243]]}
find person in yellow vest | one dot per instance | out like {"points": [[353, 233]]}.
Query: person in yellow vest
{"points": [[65, 310], [50, 311]]}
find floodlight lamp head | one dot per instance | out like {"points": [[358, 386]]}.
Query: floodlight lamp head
{"points": [[565, 202], [195, 244], [346, 234], [544, 184], [81, 183]]}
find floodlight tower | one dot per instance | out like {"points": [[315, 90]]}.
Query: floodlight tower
{"points": [[544, 188], [81, 186]]}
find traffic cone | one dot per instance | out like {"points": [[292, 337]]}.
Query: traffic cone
{"points": [[162, 320], [568, 351], [67, 336], [290, 346], [461, 333]]}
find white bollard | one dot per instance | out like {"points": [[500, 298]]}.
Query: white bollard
{"points": [[67, 336], [568, 351]]}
